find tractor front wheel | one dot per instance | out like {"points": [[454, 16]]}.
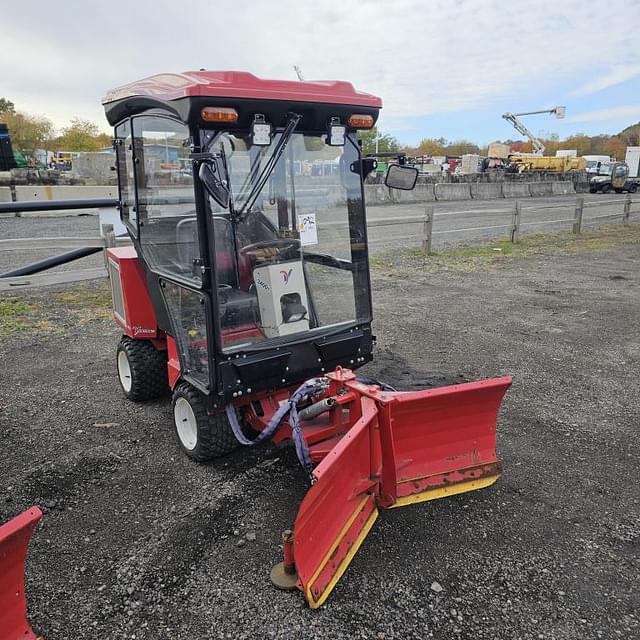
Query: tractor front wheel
{"points": [[142, 370], [202, 435]]}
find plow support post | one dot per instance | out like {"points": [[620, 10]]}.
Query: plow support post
{"points": [[14, 540]]}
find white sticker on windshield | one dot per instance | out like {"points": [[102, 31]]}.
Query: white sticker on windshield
{"points": [[307, 229]]}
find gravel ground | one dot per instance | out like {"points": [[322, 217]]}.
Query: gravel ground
{"points": [[139, 542]]}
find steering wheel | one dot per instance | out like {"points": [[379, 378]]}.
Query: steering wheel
{"points": [[283, 245]]}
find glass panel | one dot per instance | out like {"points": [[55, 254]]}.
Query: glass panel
{"points": [[290, 256], [187, 311], [124, 159], [166, 201]]}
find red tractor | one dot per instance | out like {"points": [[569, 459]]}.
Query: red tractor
{"points": [[247, 296]]}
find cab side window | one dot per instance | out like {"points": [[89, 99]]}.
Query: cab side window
{"points": [[124, 162], [166, 202]]}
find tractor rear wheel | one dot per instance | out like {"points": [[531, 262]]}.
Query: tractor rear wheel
{"points": [[202, 435], [142, 370]]}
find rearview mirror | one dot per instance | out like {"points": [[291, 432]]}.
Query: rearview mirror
{"points": [[209, 174], [401, 177]]}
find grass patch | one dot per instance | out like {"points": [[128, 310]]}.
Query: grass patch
{"points": [[495, 252], [14, 315], [99, 297], [72, 307]]}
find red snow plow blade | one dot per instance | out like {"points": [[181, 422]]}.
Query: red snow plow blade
{"points": [[14, 540], [397, 448]]}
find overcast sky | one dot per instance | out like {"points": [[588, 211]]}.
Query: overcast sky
{"points": [[442, 67]]}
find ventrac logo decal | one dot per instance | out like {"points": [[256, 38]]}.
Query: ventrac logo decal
{"points": [[286, 275], [140, 330]]}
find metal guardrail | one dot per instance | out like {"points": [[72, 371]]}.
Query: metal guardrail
{"points": [[30, 276], [57, 205], [513, 226]]}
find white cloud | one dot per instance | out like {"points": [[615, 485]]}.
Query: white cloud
{"points": [[615, 75], [422, 58], [630, 111]]}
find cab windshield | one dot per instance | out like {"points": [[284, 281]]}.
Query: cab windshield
{"points": [[290, 251]]}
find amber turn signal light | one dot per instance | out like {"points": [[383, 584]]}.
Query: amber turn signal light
{"points": [[219, 114], [360, 121]]}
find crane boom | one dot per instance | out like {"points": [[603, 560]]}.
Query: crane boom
{"points": [[518, 125]]}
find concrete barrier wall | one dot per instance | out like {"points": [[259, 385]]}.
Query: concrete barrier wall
{"points": [[377, 194], [43, 193], [421, 193], [515, 190], [486, 190], [451, 191], [538, 189], [5, 196], [562, 188]]}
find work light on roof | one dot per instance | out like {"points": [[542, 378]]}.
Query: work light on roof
{"points": [[260, 131], [337, 132]]}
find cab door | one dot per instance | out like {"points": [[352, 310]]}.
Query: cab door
{"points": [[169, 238]]}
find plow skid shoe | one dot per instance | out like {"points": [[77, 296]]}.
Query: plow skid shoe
{"points": [[443, 441], [14, 540], [404, 447]]}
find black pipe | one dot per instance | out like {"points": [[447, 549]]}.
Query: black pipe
{"points": [[54, 205], [53, 261]]}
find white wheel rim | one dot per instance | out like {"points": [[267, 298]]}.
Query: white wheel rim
{"points": [[124, 371], [186, 423]]}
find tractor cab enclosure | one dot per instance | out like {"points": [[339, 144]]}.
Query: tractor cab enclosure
{"points": [[244, 199]]}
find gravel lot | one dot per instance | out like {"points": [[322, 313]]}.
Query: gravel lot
{"points": [[139, 542]]}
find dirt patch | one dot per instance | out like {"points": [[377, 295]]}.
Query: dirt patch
{"points": [[139, 542]]}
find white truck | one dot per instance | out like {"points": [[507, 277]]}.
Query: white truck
{"points": [[594, 163], [633, 161]]}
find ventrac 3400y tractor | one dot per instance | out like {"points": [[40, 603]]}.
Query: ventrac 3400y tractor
{"points": [[246, 294]]}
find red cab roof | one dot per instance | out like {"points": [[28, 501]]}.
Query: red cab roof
{"points": [[240, 84]]}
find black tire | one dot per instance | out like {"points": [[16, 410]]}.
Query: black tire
{"points": [[633, 188], [606, 188], [619, 190], [201, 435], [146, 377], [593, 190]]}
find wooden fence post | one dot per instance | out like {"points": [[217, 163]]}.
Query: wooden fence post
{"points": [[577, 216], [627, 209], [428, 231], [109, 241], [515, 222]]}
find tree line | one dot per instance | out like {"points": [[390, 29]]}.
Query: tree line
{"points": [[603, 144], [30, 132]]}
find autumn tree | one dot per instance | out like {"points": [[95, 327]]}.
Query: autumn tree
{"points": [[81, 135], [6, 106], [631, 135], [430, 147], [28, 132], [386, 143], [460, 148]]}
